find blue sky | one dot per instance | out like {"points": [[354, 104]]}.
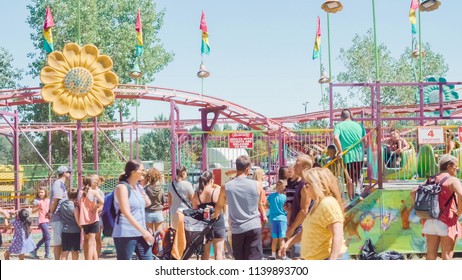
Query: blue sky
{"points": [[261, 50]]}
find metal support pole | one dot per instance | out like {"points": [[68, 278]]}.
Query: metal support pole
{"points": [[281, 156], [173, 142], [50, 142], [16, 160], [131, 144], [269, 158], [377, 73], [70, 157], [421, 100], [379, 137], [79, 155], [328, 46], [420, 51], [95, 145], [331, 107]]}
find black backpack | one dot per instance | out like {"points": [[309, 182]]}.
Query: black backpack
{"points": [[426, 203]]}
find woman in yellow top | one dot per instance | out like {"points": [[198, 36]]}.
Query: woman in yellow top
{"points": [[322, 234]]}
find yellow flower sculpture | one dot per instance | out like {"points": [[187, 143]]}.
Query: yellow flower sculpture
{"points": [[78, 81]]}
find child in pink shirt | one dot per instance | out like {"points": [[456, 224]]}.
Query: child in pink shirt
{"points": [[42, 206]]}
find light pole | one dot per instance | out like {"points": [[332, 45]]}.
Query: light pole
{"points": [[305, 104], [330, 7], [135, 74], [425, 6], [377, 73]]}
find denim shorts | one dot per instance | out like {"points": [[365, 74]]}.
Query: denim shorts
{"points": [[435, 227], [154, 217]]}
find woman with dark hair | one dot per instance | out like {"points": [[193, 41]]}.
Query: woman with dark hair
{"points": [[207, 195], [283, 173], [180, 193], [130, 233]]}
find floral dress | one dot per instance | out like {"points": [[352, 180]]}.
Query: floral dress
{"points": [[20, 245]]}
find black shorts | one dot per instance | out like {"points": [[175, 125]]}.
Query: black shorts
{"points": [[91, 228], [354, 170], [70, 241]]}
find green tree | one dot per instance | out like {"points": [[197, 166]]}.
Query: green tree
{"points": [[359, 61], [109, 25], [9, 76], [9, 79], [155, 145]]}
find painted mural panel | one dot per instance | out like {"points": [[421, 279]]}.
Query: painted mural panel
{"points": [[387, 218]]}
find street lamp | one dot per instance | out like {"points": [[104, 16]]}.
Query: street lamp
{"points": [[425, 6], [305, 104], [332, 6], [429, 5], [136, 72], [203, 73]]}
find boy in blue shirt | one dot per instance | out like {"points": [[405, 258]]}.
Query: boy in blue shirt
{"points": [[278, 216]]}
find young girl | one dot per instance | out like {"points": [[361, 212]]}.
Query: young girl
{"points": [[42, 206], [88, 204], [22, 240]]}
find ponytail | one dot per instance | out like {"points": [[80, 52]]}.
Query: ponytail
{"points": [[130, 166], [204, 179]]}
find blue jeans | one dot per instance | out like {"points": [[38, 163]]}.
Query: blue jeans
{"points": [[44, 227], [126, 246]]}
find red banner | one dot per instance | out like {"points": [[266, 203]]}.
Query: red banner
{"points": [[240, 140]]}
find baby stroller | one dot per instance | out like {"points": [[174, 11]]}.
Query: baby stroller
{"points": [[198, 231]]}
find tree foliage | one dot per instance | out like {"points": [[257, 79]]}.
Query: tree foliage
{"points": [[359, 61], [155, 145], [109, 25], [9, 76]]}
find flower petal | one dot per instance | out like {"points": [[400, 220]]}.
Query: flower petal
{"points": [[77, 109], [103, 95], [57, 61], [92, 105], [88, 55], [106, 80], [49, 75], [101, 65], [71, 52], [52, 91], [62, 103]]}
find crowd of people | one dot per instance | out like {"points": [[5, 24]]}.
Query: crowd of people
{"points": [[306, 208]]}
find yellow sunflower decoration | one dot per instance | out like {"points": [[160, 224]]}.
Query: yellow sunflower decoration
{"points": [[78, 81]]}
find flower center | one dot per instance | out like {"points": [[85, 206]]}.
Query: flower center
{"points": [[434, 96], [78, 81]]}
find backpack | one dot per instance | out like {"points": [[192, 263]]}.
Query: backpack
{"points": [[426, 203], [163, 244], [109, 215]]}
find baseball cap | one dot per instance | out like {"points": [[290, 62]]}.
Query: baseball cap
{"points": [[446, 158], [63, 169]]}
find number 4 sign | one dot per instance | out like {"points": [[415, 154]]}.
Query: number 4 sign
{"points": [[431, 135]]}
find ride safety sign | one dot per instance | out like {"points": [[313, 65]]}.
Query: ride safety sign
{"points": [[431, 135], [240, 140]]}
